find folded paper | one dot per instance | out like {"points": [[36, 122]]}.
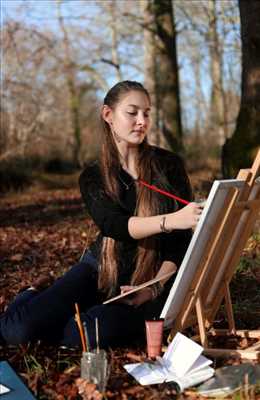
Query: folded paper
{"points": [[182, 363]]}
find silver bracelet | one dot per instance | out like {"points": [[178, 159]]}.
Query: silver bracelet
{"points": [[157, 289], [163, 227], [154, 293]]}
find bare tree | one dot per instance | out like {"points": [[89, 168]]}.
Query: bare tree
{"points": [[161, 71], [24, 60], [209, 39], [70, 76], [111, 7], [42, 103], [150, 71], [217, 104], [53, 78], [239, 150], [168, 74]]}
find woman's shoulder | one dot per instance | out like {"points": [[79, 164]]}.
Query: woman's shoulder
{"points": [[165, 157], [91, 173]]}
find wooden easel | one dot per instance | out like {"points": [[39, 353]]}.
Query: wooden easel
{"points": [[210, 285]]}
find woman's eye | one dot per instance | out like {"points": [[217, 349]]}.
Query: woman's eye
{"points": [[135, 113]]}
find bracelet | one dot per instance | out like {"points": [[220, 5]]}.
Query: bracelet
{"points": [[157, 288], [163, 227], [153, 292]]}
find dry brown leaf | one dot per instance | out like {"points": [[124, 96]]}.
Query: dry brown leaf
{"points": [[256, 273], [37, 243], [134, 357], [17, 257], [133, 390], [88, 390], [33, 382]]}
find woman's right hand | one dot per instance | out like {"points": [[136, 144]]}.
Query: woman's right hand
{"points": [[186, 218]]}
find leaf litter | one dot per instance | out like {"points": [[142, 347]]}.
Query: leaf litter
{"points": [[44, 233]]}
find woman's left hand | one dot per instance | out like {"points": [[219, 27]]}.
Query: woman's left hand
{"points": [[138, 298]]}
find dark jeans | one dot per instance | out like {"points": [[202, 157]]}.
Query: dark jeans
{"points": [[49, 315]]}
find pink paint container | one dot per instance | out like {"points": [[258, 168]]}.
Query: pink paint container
{"points": [[154, 336]]}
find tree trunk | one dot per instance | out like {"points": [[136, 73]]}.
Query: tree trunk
{"points": [[74, 105], [111, 7], [150, 66], [239, 151], [217, 116], [74, 101], [167, 77], [198, 98]]}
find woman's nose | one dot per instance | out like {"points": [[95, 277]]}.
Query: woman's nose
{"points": [[140, 119]]}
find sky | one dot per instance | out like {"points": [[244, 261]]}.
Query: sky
{"points": [[43, 14]]}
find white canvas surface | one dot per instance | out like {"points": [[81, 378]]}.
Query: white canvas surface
{"points": [[214, 204]]}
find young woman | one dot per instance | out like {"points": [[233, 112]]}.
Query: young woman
{"points": [[142, 235]]}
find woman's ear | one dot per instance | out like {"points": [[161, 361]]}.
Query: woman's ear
{"points": [[106, 114]]}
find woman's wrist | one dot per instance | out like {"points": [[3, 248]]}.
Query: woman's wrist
{"points": [[142, 227], [163, 226], [151, 292], [156, 289]]}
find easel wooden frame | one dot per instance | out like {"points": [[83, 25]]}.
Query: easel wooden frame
{"points": [[240, 207]]}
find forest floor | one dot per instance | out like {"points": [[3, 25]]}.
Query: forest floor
{"points": [[44, 230]]}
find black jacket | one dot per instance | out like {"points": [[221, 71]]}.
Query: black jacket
{"points": [[112, 217]]}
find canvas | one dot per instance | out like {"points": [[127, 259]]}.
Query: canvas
{"points": [[202, 282]]}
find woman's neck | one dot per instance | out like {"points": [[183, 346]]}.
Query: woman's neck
{"points": [[128, 159]]}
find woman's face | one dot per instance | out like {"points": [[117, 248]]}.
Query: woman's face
{"points": [[130, 119]]}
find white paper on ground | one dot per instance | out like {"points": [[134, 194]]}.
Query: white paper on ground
{"points": [[181, 354], [190, 380], [182, 363], [4, 389], [149, 374], [146, 373], [201, 362]]}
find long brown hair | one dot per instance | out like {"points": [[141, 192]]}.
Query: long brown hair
{"points": [[148, 204]]}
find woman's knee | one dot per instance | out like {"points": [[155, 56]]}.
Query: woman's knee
{"points": [[107, 331], [16, 330], [118, 324]]}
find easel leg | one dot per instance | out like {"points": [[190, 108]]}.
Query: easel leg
{"points": [[229, 309], [201, 323]]}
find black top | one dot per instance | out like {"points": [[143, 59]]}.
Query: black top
{"points": [[112, 217]]}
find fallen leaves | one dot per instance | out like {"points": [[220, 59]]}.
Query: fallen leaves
{"points": [[16, 257], [87, 390], [40, 232], [44, 233]]}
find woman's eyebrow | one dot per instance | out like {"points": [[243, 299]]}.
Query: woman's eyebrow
{"points": [[137, 107]]}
